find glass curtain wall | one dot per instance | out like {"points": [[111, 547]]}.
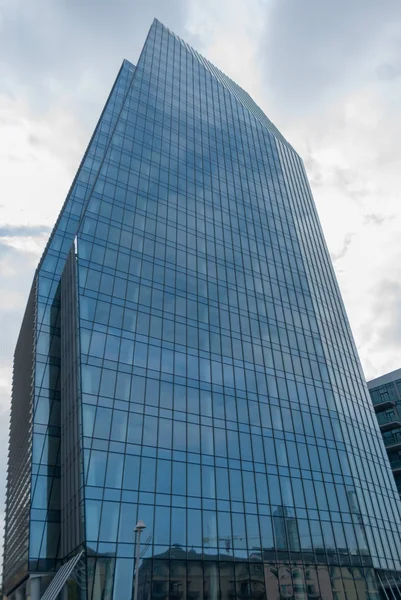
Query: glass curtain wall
{"points": [[209, 381]]}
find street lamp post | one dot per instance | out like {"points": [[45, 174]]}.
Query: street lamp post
{"points": [[140, 526]]}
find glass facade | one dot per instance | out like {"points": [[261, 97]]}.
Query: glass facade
{"points": [[385, 392], [193, 365]]}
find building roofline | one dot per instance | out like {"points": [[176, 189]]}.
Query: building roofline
{"points": [[383, 379]]}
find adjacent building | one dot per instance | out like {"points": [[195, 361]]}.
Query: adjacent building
{"points": [[385, 392], [185, 359]]}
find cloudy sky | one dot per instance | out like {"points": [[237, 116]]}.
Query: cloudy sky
{"points": [[328, 74]]}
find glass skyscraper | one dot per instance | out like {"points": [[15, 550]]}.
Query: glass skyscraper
{"points": [[185, 359]]}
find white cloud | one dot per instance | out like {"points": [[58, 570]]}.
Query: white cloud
{"points": [[38, 156], [352, 155], [229, 33], [336, 98], [315, 51]]}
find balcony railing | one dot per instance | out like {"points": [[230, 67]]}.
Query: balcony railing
{"points": [[395, 465], [380, 404], [392, 441], [388, 421]]}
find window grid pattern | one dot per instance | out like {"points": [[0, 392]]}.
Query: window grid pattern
{"points": [[223, 400], [348, 383], [221, 396], [44, 542]]}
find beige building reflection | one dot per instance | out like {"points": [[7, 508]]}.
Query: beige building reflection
{"points": [[164, 579]]}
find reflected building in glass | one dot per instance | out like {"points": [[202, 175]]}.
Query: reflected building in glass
{"points": [[185, 359]]}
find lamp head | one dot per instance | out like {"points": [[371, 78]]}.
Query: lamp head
{"points": [[140, 526]]}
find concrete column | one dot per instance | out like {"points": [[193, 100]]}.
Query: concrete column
{"points": [[35, 588], [64, 593], [20, 594]]}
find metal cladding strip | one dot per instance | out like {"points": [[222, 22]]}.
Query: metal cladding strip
{"points": [[389, 587], [61, 578]]}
